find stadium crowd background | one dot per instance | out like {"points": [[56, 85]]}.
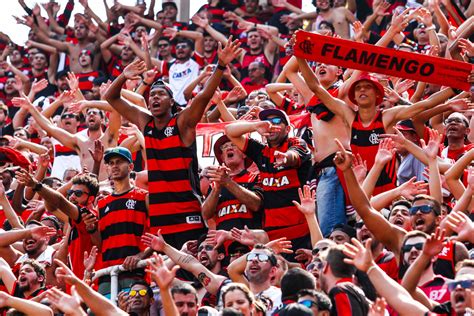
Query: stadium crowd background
{"points": [[226, 175]]}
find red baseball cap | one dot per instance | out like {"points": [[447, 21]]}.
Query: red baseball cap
{"points": [[371, 79]]}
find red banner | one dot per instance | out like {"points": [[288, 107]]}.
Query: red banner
{"points": [[370, 58]]}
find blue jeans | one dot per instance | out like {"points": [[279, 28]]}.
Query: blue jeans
{"points": [[330, 200]]}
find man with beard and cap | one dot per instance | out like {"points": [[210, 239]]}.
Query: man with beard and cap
{"points": [[257, 270], [206, 267], [283, 162], [235, 197], [170, 139], [83, 145], [424, 216], [78, 206], [123, 219]]}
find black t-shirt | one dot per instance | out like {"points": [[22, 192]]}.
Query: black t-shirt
{"points": [[7, 130]]}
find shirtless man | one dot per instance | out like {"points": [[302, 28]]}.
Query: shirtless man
{"points": [[329, 192], [73, 50], [82, 145], [340, 17]]}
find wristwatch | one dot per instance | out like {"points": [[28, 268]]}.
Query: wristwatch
{"points": [[38, 186]]}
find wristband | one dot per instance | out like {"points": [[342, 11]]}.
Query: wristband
{"points": [[37, 187], [220, 67], [457, 91], [370, 269]]}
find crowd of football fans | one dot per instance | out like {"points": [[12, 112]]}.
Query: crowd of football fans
{"points": [[333, 191]]}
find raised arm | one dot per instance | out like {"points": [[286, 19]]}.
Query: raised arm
{"points": [[211, 281], [390, 235], [23, 306], [131, 112], [335, 105], [53, 199], [308, 208], [396, 296], [60, 134], [190, 116]]}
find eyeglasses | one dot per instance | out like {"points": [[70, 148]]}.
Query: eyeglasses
{"points": [[261, 257], [181, 46], [68, 115], [206, 248], [77, 193], [455, 120], [465, 284], [317, 250], [274, 120], [424, 209], [417, 246], [163, 45], [134, 293], [309, 303]]}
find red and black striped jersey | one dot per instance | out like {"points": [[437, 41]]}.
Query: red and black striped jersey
{"points": [[86, 79], [233, 213], [365, 142], [280, 186], [79, 241], [173, 183], [115, 67], [388, 263], [123, 219]]}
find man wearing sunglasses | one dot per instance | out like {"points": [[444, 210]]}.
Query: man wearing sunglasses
{"points": [[283, 163], [257, 269], [140, 298], [123, 219], [424, 216], [79, 209], [317, 301]]}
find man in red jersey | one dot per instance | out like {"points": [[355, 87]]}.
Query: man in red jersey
{"points": [[170, 138]]}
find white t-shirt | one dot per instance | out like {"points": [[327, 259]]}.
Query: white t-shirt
{"points": [[180, 76], [274, 294], [64, 158]]}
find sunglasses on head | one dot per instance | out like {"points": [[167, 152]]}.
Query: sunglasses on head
{"points": [[261, 257], [407, 248], [134, 293], [425, 209], [465, 284], [206, 248], [68, 115], [274, 120], [77, 193]]}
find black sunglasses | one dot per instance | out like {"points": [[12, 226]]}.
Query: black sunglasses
{"points": [[417, 246], [68, 115], [206, 248], [77, 193], [425, 209]]}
